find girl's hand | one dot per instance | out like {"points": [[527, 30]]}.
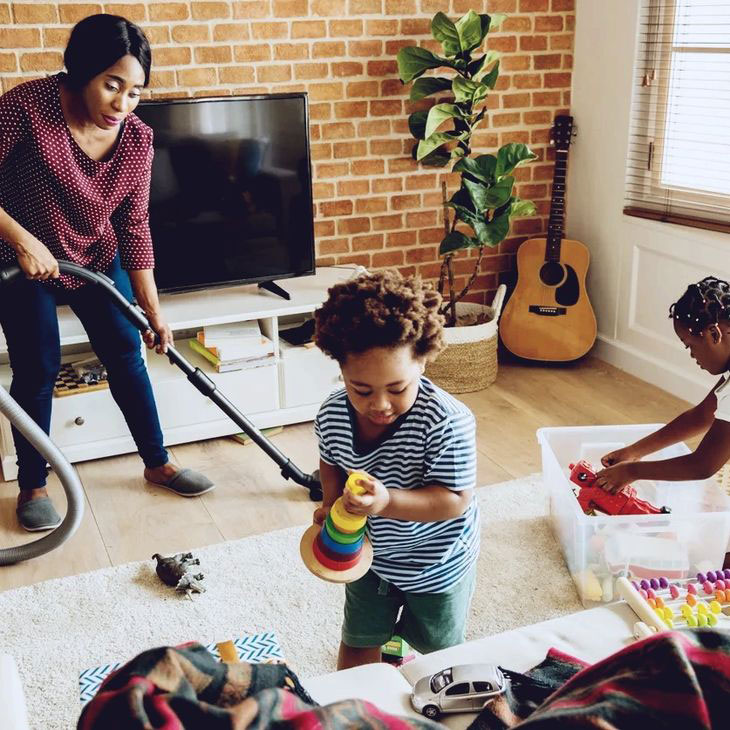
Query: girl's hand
{"points": [[373, 502], [615, 478], [36, 261], [161, 329], [627, 453]]}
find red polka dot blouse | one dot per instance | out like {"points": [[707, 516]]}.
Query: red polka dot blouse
{"points": [[83, 210]]}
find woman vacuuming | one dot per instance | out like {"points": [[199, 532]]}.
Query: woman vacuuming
{"points": [[75, 167]]}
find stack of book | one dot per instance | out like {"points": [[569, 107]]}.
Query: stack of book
{"points": [[236, 346]]}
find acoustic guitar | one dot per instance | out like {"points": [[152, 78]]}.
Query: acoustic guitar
{"points": [[549, 317]]}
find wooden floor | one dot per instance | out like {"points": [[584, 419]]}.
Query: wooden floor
{"points": [[126, 519]]}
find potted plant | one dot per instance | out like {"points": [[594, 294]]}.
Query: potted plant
{"points": [[484, 203]]}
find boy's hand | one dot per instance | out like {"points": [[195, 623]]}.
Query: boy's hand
{"points": [[627, 453], [320, 514], [373, 502], [615, 478]]}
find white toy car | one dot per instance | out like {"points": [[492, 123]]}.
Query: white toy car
{"points": [[464, 688]]}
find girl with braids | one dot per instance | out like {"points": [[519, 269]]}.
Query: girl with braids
{"points": [[702, 322], [416, 445]]}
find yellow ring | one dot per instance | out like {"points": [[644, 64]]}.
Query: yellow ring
{"points": [[343, 520]]}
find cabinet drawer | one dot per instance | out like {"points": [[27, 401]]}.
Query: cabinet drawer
{"points": [[309, 375], [180, 403], [86, 417]]}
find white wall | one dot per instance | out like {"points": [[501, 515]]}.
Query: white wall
{"points": [[638, 267]]}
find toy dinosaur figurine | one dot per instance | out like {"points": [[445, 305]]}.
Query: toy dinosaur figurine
{"points": [[592, 498], [175, 572]]}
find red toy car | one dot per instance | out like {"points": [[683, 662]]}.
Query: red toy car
{"points": [[592, 498]]}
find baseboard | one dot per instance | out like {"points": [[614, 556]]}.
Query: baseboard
{"points": [[652, 370]]}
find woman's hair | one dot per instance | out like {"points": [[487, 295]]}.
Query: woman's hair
{"points": [[704, 303], [382, 309], [98, 42]]}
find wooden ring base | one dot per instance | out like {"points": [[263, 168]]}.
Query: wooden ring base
{"points": [[306, 550]]}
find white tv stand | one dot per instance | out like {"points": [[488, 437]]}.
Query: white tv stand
{"points": [[88, 425]]}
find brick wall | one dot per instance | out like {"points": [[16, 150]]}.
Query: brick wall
{"points": [[373, 204]]}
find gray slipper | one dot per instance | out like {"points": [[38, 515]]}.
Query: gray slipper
{"points": [[38, 514], [188, 483]]}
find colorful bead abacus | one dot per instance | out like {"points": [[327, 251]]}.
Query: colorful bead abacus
{"points": [[340, 551], [664, 604]]}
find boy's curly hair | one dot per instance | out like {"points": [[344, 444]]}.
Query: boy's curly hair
{"points": [[704, 303], [382, 309]]}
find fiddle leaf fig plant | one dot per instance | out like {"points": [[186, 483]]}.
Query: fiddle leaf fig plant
{"points": [[485, 202]]}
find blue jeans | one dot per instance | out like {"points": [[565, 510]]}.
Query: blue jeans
{"points": [[30, 323]]}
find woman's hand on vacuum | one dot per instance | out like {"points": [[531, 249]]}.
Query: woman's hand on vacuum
{"points": [[159, 329], [36, 261]]}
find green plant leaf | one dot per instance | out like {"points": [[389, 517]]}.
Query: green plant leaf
{"points": [[432, 142], [475, 67], [436, 159], [488, 197], [478, 193], [466, 90], [510, 156], [417, 124], [521, 208], [495, 20], [454, 241], [490, 78], [475, 220], [482, 167], [496, 230], [469, 28], [497, 195], [414, 62], [428, 85], [438, 114], [444, 31]]}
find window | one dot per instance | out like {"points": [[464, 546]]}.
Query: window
{"points": [[678, 167], [458, 689], [441, 680], [482, 686]]}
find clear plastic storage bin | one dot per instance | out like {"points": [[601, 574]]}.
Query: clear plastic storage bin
{"points": [[693, 537]]}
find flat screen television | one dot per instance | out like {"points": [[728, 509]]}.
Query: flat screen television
{"points": [[231, 190]]}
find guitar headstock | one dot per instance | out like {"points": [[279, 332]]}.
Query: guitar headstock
{"points": [[561, 132]]}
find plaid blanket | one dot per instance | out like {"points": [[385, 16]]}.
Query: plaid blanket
{"points": [[176, 688], [670, 680]]}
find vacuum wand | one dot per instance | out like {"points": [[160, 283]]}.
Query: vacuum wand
{"points": [[195, 375]]}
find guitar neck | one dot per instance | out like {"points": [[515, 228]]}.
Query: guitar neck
{"points": [[557, 207]]}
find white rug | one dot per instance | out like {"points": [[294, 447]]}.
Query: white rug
{"points": [[59, 627]]}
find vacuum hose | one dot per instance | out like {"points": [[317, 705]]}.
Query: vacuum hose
{"points": [[66, 473]]}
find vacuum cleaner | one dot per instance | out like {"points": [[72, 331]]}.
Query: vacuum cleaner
{"points": [[67, 475]]}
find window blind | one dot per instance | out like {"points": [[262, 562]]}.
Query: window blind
{"points": [[678, 166]]}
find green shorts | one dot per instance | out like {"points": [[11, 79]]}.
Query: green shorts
{"points": [[428, 621]]}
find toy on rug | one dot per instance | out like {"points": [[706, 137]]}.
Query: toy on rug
{"points": [[594, 499], [663, 604], [339, 551], [396, 651], [176, 571]]}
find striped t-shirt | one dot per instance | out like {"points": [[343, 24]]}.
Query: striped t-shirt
{"points": [[433, 443]]}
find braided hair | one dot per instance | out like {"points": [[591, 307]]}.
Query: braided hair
{"points": [[703, 304]]}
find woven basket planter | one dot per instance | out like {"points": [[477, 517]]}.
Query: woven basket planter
{"points": [[469, 362]]}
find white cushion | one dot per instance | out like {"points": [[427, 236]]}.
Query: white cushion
{"points": [[12, 701], [590, 635], [381, 684]]}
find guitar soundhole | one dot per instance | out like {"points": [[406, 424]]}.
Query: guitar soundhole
{"points": [[552, 273]]}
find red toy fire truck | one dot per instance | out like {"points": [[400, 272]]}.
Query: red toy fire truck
{"points": [[594, 499]]}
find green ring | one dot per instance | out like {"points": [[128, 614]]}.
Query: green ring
{"points": [[341, 537]]}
